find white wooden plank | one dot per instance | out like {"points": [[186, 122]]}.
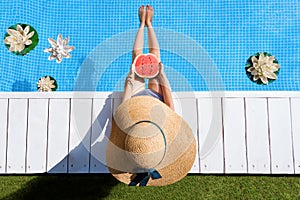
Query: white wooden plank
{"points": [[280, 135], [37, 136], [234, 135], [258, 150], [17, 131], [187, 109], [3, 133], [80, 135], [210, 135], [295, 109], [58, 135], [101, 127], [200, 94]]}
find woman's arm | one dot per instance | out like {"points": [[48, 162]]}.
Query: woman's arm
{"points": [[128, 85], [132, 85], [166, 88]]}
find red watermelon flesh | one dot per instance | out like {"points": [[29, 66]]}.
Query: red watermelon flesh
{"points": [[146, 66]]}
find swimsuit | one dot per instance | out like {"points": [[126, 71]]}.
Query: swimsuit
{"points": [[151, 93]]}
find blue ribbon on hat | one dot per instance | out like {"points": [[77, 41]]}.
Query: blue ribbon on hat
{"points": [[143, 178]]}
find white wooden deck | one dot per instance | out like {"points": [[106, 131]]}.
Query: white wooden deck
{"points": [[237, 132]]}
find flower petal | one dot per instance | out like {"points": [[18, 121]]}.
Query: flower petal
{"points": [[9, 40], [26, 30], [271, 75], [52, 42], [254, 73], [59, 40], [261, 56], [70, 48], [254, 59], [271, 59], [30, 34], [20, 29], [58, 59], [66, 41], [48, 50], [28, 42], [63, 53], [51, 57], [13, 32], [250, 69], [256, 66], [256, 77], [20, 47], [68, 56], [11, 48], [264, 79], [272, 69]]}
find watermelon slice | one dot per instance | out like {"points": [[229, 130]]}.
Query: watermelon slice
{"points": [[146, 65]]}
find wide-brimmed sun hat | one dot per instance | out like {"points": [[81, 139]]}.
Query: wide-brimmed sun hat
{"points": [[149, 143]]}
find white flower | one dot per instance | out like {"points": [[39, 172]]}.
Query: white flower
{"points": [[263, 68], [45, 84], [59, 49], [17, 39]]}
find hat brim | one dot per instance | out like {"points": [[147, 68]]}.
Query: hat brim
{"points": [[180, 142]]}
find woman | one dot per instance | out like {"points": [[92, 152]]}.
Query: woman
{"points": [[159, 86]]}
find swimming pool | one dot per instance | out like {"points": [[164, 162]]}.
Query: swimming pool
{"points": [[204, 44]]}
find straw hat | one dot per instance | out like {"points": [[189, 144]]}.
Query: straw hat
{"points": [[149, 144]]}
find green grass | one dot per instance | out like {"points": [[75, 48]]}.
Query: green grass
{"points": [[191, 187]]}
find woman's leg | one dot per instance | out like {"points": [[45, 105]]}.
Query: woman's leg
{"points": [[153, 84], [139, 38], [160, 84], [152, 40], [134, 84]]}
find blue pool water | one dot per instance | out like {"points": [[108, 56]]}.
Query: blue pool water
{"points": [[204, 44]]}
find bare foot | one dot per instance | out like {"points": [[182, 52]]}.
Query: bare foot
{"points": [[142, 16], [149, 15]]}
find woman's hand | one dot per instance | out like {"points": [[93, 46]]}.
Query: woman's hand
{"points": [[161, 71], [161, 67]]}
